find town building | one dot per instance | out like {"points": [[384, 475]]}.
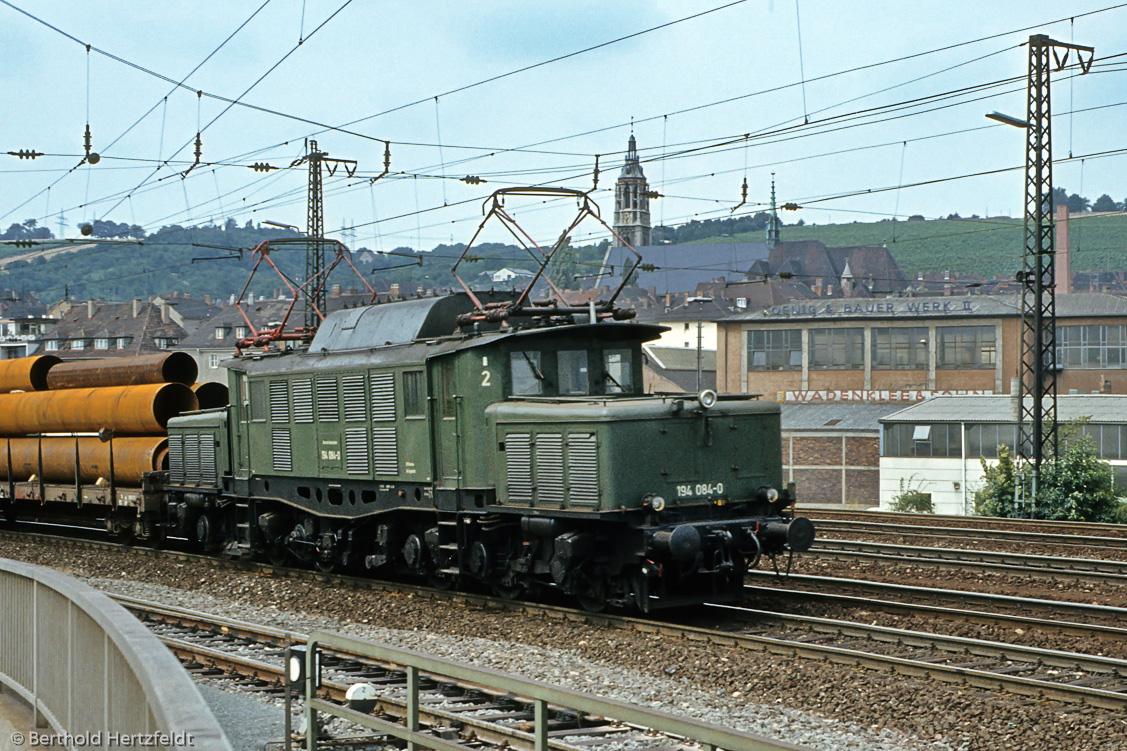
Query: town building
{"points": [[97, 328], [631, 201], [214, 342], [938, 446], [23, 322]]}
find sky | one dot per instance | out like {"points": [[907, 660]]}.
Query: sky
{"points": [[848, 105]]}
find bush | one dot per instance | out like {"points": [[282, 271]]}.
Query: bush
{"points": [[1077, 486], [912, 500]]}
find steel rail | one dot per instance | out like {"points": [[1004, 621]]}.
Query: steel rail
{"points": [[1046, 567], [975, 534], [1049, 607], [1077, 528]]}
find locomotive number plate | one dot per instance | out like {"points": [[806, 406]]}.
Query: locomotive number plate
{"points": [[700, 488]]}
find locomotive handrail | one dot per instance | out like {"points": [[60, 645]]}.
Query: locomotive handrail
{"points": [[711, 737], [88, 669]]}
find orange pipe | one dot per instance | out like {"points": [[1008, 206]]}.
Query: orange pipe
{"points": [[122, 409], [131, 458], [26, 373], [167, 367], [211, 394]]}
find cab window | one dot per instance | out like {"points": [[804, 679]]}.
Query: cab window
{"points": [[617, 375], [527, 377], [572, 366]]}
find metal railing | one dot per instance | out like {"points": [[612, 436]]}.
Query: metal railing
{"points": [[91, 673], [542, 696]]}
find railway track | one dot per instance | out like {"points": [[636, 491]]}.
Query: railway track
{"points": [[1062, 676], [1049, 616], [1080, 529], [1036, 566], [252, 656], [1082, 544]]}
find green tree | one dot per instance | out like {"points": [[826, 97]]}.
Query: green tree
{"points": [[1077, 486], [1105, 203]]}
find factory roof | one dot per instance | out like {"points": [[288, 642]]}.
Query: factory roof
{"points": [[1000, 408]]}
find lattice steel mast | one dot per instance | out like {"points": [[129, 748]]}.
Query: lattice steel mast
{"points": [[1037, 437]]}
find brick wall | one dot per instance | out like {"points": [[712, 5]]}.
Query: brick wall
{"points": [[833, 469]]}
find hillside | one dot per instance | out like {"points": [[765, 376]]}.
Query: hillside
{"points": [[989, 247]]}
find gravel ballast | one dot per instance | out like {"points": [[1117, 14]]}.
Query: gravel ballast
{"points": [[824, 706]]}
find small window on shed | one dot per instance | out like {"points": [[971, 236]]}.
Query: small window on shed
{"points": [[922, 433], [414, 394]]}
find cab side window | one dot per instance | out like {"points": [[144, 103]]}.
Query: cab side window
{"points": [[527, 377]]}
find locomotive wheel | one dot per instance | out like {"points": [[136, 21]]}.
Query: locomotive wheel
{"points": [[594, 600], [278, 556], [509, 592], [440, 581]]}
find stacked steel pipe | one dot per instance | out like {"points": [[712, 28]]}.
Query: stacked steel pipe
{"points": [[131, 397]]}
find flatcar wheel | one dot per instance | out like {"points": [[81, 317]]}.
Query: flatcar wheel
{"points": [[276, 555]]}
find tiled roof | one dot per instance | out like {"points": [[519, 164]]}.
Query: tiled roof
{"points": [[114, 320]]}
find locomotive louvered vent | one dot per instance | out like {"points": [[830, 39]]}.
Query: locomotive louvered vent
{"points": [[328, 404], [518, 457], [280, 446], [303, 401], [355, 409], [386, 451], [176, 458], [549, 468], [383, 396], [208, 471], [192, 458], [279, 402], [356, 451], [582, 469]]}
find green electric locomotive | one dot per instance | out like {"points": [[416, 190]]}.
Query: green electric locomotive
{"points": [[426, 437]]}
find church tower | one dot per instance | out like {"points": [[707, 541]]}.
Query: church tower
{"points": [[774, 226], [631, 205]]}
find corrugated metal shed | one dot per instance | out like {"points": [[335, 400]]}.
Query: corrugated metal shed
{"points": [[835, 416], [1101, 408]]}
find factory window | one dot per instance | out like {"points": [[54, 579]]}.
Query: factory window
{"points": [[984, 439], [900, 349], [78, 344], [837, 348], [101, 344], [1092, 346], [213, 362], [966, 347], [51, 345], [524, 368], [1110, 441], [617, 378], [936, 440], [414, 394], [572, 367], [774, 349]]}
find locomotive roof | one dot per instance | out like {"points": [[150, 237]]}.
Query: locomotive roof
{"points": [[349, 342], [395, 322]]}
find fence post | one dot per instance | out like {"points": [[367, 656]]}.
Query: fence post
{"points": [[412, 704]]}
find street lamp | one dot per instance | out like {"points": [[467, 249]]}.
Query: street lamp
{"points": [[1008, 119]]}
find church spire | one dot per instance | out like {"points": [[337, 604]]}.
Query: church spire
{"points": [[773, 226]]}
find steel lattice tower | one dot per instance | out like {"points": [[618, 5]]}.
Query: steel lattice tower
{"points": [[1037, 434], [315, 230]]}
